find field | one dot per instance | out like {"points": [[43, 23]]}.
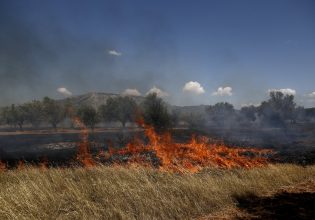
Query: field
{"points": [[142, 193], [66, 190]]}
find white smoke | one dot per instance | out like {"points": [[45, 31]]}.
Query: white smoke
{"points": [[193, 87], [64, 91], [223, 91], [250, 104], [132, 92], [158, 92], [286, 91], [311, 95], [114, 53]]}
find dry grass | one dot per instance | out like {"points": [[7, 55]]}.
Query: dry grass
{"points": [[135, 193]]}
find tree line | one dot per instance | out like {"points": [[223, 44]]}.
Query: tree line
{"points": [[153, 110], [278, 111]]}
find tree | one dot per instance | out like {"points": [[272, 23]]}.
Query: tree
{"points": [[155, 112], [221, 113], [54, 112], [277, 109], [122, 109], [70, 111], [88, 115], [14, 115], [249, 113], [34, 112]]}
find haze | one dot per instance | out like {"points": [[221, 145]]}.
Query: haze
{"points": [[190, 52]]}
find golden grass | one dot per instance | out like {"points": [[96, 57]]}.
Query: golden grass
{"points": [[134, 193]]}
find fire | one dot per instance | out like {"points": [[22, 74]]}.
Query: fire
{"points": [[2, 166], [84, 155], [193, 156]]}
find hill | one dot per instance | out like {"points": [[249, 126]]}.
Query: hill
{"points": [[95, 99]]}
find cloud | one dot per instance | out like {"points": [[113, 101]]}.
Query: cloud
{"points": [[193, 87], [158, 92], [250, 104], [311, 95], [223, 91], [114, 53], [132, 92], [64, 91], [287, 91]]}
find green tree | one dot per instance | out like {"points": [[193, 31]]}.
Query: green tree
{"points": [[14, 115], [89, 116], [278, 109], [155, 112], [122, 109], [221, 113], [54, 113], [34, 112]]}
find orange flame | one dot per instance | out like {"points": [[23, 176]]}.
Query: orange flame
{"points": [[84, 155], [43, 163], [20, 165], [199, 153], [3, 166]]}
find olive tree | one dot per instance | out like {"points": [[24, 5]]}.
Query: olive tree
{"points": [[53, 112], [155, 112], [88, 115], [122, 109]]}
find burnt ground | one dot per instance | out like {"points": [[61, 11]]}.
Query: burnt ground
{"points": [[293, 145], [294, 202]]}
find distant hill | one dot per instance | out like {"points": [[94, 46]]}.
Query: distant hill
{"points": [[96, 99]]}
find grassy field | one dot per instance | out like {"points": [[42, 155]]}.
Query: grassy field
{"points": [[135, 193]]}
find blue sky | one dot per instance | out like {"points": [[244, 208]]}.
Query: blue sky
{"points": [[244, 47]]}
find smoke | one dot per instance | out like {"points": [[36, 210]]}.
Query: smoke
{"points": [[114, 53], [64, 91], [311, 95], [223, 91], [193, 87], [131, 92], [287, 91], [35, 59], [158, 92]]}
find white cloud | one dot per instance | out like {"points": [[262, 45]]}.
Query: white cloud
{"points": [[311, 95], [287, 91], [158, 92], [250, 104], [114, 53], [223, 91], [64, 91], [193, 87], [132, 92]]}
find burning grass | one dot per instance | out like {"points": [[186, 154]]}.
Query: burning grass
{"points": [[162, 152], [103, 192]]}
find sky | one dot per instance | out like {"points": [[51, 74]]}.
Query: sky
{"points": [[189, 52]]}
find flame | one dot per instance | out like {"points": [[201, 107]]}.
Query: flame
{"points": [[193, 156], [3, 166], [84, 155], [20, 165], [44, 163]]}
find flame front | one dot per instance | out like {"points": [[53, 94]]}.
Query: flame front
{"points": [[193, 156], [84, 155]]}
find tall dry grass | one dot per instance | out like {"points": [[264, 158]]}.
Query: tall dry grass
{"points": [[135, 193]]}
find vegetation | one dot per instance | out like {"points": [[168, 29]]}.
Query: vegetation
{"points": [[88, 115], [155, 112], [135, 193], [221, 113], [279, 111], [122, 109], [54, 112]]}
